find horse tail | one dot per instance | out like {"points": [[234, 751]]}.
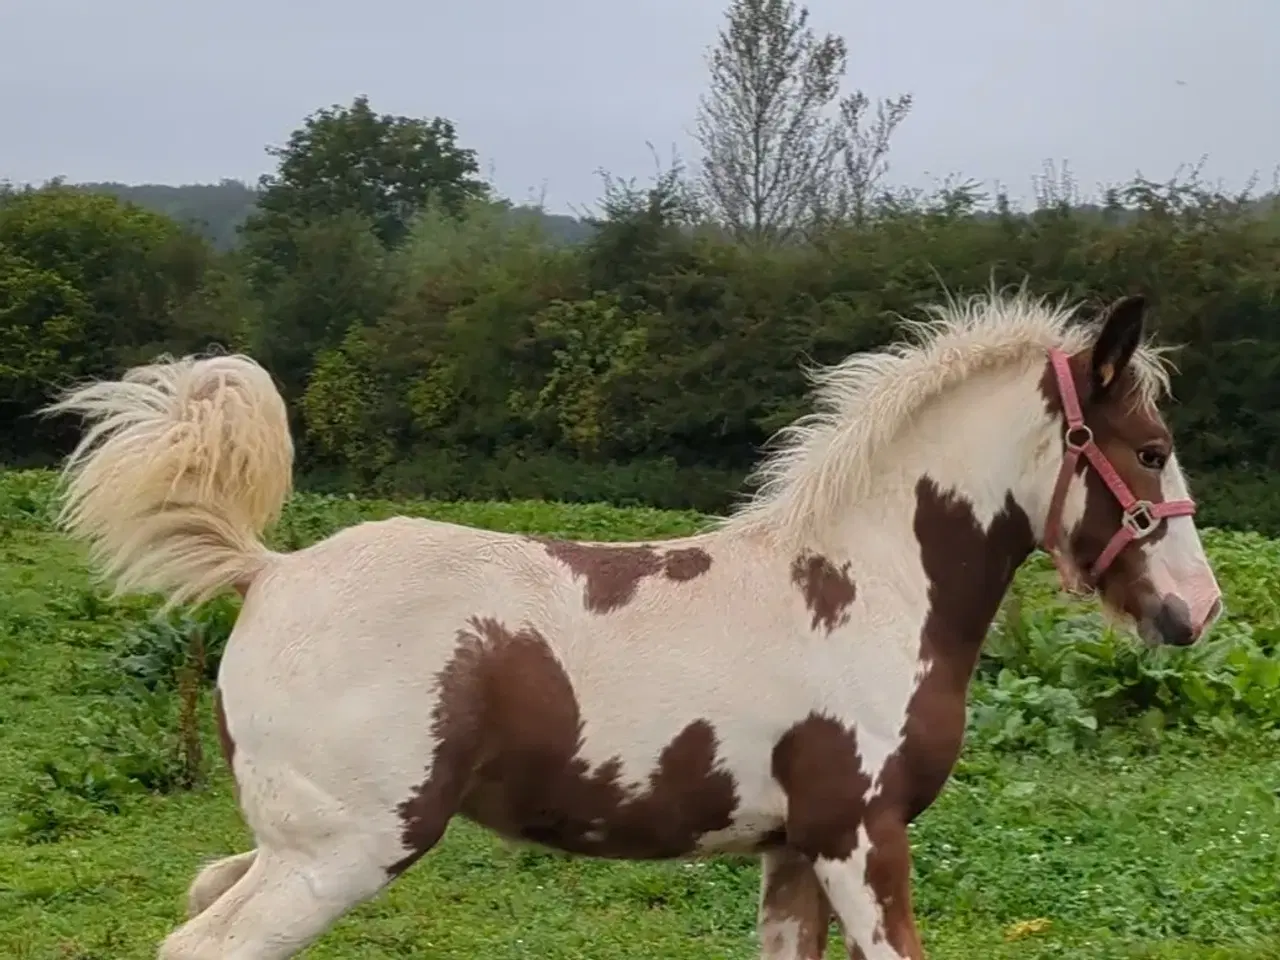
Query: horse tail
{"points": [[183, 465]]}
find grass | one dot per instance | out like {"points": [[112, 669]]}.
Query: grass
{"points": [[1165, 850]]}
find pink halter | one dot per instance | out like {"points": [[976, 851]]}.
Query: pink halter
{"points": [[1141, 517]]}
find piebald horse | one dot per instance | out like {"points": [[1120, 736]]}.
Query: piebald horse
{"points": [[790, 684]]}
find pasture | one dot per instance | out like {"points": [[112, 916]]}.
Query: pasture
{"points": [[1111, 802]]}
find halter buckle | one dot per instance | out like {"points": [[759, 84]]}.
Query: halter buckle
{"points": [[1140, 519]]}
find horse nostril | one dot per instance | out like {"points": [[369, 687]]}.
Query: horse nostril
{"points": [[1173, 621]]}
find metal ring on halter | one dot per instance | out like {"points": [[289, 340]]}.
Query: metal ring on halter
{"points": [[1082, 431], [1140, 519]]}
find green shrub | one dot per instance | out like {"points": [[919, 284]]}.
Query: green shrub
{"points": [[124, 746]]}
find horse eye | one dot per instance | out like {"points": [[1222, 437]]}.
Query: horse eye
{"points": [[1152, 459]]}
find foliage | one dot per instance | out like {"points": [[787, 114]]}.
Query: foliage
{"points": [[343, 395], [349, 159], [158, 652], [132, 267], [594, 344], [337, 282], [1054, 675], [716, 333], [42, 320], [87, 284]]}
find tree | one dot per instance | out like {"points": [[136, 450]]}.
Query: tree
{"points": [[42, 320], [348, 187], [769, 150], [595, 346], [337, 280], [88, 286], [865, 149], [351, 160], [133, 268], [777, 158], [341, 405]]}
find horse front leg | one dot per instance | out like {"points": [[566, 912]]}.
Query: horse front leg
{"points": [[794, 914], [870, 891]]}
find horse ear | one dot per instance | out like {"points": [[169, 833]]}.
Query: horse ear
{"points": [[1117, 340]]}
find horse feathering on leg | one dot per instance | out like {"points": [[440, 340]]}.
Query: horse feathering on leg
{"points": [[790, 684]]}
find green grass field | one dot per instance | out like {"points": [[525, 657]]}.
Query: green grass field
{"points": [[1166, 848]]}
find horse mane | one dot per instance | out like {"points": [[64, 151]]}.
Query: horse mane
{"points": [[827, 457]]}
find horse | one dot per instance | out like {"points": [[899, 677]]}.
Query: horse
{"points": [[789, 683]]}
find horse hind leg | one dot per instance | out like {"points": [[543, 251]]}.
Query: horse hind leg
{"points": [[215, 880], [300, 880], [281, 903], [270, 904]]}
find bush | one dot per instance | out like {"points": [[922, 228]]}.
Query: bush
{"points": [[1054, 675], [126, 745]]}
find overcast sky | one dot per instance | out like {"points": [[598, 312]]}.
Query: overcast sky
{"points": [[550, 91]]}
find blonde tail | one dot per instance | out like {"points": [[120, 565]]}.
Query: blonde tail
{"points": [[183, 466]]}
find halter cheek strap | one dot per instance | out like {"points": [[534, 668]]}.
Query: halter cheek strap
{"points": [[1140, 518]]}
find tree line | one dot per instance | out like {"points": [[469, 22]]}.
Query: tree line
{"points": [[433, 339]]}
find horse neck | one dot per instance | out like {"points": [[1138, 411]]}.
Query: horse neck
{"points": [[961, 496]]}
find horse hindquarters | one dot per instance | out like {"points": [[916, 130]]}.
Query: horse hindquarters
{"points": [[315, 860], [338, 808]]}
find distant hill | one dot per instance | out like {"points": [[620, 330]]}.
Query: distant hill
{"points": [[213, 209], [217, 210]]}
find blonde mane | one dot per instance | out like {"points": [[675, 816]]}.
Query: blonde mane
{"points": [[826, 458]]}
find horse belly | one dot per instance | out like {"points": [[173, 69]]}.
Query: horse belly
{"points": [[588, 813]]}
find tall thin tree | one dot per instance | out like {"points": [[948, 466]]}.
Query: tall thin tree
{"points": [[770, 150], [865, 149]]}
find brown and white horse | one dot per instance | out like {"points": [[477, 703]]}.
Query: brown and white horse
{"points": [[791, 684]]}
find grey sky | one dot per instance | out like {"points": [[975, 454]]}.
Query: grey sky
{"points": [[549, 91]]}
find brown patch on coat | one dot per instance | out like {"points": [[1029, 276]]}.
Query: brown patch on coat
{"points": [[818, 764], [1121, 426], [509, 731], [686, 563], [613, 572], [790, 892], [969, 570], [828, 590]]}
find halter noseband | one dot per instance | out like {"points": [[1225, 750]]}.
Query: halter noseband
{"points": [[1141, 518]]}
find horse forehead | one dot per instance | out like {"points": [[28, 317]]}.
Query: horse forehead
{"points": [[1128, 415]]}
